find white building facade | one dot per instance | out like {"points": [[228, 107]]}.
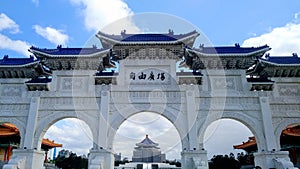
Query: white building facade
{"points": [[223, 82]]}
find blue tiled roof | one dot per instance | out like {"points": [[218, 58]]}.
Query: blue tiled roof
{"points": [[112, 73], [282, 60], [40, 80], [68, 51], [230, 49], [17, 61], [147, 37]]}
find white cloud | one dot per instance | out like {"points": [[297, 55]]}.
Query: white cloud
{"points": [[36, 2], [297, 17], [283, 40], [53, 35], [98, 14], [68, 132], [15, 45], [7, 23], [7, 43]]}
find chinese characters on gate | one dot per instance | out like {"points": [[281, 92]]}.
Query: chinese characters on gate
{"points": [[150, 77]]}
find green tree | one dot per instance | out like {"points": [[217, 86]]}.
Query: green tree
{"points": [[72, 162], [224, 162]]}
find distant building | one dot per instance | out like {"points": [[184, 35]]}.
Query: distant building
{"points": [[147, 151], [64, 153]]}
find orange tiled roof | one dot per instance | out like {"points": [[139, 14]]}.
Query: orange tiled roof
{"points": [[251, 142], [9, 129], [50, 143], [291, 130]]}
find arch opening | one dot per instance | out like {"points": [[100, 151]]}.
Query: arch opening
{"points": [[290, 141], [142, 127], [75, 138], [229, 142]]}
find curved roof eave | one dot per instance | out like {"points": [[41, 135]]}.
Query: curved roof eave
{"points": [[96, 54], [230, 54], [113, 41], [21, 65], [277, 64]]}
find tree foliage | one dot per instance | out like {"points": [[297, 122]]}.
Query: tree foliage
{"points": [[72, 162], [230, 162]]}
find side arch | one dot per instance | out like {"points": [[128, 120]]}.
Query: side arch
{"points": [[46, 123], [253, 125], [282, 125]]}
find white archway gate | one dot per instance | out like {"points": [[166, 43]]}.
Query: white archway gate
{"points": [[148, 80]]}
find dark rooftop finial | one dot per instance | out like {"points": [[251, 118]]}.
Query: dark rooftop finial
{"points": [[123, 32], [237, 45], [295, 55], [59, 46], [171, 32]]}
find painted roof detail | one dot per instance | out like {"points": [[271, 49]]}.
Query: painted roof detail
{"points": [[226, 57], [22, 68], [275, 66]]}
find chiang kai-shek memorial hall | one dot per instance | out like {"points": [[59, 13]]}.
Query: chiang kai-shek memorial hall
{"points": [[159, 73]]}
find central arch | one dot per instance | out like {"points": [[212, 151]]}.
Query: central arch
{"points": [[120, 119], [159, 129]]}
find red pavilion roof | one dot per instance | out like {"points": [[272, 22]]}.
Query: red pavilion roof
{"points": [[8, 129], [291, 130]]}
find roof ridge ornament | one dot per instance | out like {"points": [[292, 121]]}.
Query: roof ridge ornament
{"points": [[295, 55], [123, 32], [237, 45], [171, 32]]}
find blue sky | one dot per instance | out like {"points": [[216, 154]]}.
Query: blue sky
{"points": [[72, 23]]}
